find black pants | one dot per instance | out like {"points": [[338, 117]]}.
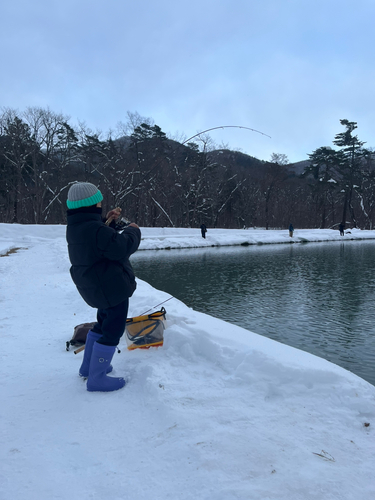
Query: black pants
{"points": [[111, 323]]}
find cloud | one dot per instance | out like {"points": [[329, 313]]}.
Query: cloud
{"points": [[290, 69]]}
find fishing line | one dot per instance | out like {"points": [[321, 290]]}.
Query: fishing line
{"points": [[224, 126], [157, 305]]}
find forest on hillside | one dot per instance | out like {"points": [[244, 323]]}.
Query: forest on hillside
{"points": [[160, 181]]}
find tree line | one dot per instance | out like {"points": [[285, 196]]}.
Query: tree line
{"points": [[161, 181]]}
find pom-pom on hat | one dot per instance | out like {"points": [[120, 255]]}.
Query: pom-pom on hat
{"points": [[83, 194]]}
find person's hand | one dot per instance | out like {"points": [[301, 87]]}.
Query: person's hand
{"points": [[114, 214], [133, 224]]}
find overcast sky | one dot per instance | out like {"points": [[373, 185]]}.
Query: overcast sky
{"points": [[288, 68]]}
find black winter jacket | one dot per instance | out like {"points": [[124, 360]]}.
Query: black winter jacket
{"points": [[99, 256]]}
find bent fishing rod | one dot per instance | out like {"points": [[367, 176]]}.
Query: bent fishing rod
{"points": [[147, 174], [223, 126]]}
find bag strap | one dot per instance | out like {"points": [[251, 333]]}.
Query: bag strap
{"points": [[155, 315]]}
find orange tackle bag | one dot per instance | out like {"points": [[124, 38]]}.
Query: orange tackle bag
{"points": [[147, 331]]}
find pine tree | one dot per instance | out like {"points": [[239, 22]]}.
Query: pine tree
{"points": [[353, 155], [324, 169]]}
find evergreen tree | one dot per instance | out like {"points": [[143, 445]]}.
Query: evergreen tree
{"points": [[350, 168], [324, 170]]}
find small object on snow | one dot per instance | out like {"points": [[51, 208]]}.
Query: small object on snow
{"points": [[325, 455], [145, 331], [79, 336], [366, 424]]}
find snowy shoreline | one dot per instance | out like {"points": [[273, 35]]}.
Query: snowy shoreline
{"points": [[15, 235], [217, 413], [174, 238]]}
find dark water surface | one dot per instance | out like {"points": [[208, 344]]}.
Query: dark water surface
{"points": [[318, 297]]}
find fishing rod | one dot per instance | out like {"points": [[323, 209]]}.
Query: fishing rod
{"points": [[222, 127], [157, 305], [146, 175]]}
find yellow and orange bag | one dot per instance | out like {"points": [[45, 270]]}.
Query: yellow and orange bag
{"points": [[142, 332]]}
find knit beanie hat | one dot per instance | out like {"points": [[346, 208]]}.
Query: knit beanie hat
{"points": [[83, 194]]}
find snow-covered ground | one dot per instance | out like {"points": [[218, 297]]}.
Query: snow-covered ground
{"points": [[161, 238], [157, 238], [217, 413]]}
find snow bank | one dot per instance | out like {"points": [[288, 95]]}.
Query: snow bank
{"points": [[217, 413], [163, 238], [172, 238]]}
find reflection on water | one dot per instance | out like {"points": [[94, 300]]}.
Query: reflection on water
{"points": [[316, 297]]}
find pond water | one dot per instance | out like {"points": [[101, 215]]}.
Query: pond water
{"points": [[318, 297]]}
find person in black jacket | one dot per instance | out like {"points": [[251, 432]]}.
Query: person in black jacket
{"points": [[103, 276], [203, 230]]}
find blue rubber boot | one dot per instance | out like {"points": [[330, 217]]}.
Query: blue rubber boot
{"points": [[100, 359], [90, 339]]}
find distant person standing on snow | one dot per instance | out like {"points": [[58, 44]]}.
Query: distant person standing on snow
{"points": [[341, 229], [291, 230], [203, 230], [103, 276]]}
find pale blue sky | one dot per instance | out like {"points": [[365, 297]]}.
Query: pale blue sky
{"points": [[289, 68]]}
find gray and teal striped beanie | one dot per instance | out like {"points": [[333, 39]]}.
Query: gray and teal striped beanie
{"points": [[83, 194]]}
